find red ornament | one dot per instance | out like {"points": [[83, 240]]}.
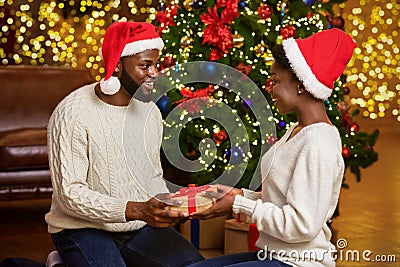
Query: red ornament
{"points": [[220, 136], [338, 22], [265, 12], [346, 90], [347, 121], [288, 31], [346, 152], [354, 127], [246, 69], [167, 62], [268, 86], [272, 140]]}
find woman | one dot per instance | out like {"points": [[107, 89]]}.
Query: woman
{"points": [[302, 174]]}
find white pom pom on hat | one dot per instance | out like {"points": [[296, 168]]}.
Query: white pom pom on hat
{"points": [[111, 86], [319, 60], [125, 39]]}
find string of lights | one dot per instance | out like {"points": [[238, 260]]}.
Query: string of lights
{"points": [[69, 33]]}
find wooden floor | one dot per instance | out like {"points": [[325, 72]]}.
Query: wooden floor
{"points": [[368, 223], [370, 210]]}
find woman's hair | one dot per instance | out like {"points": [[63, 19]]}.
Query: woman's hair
{"points": [[280, 58]]}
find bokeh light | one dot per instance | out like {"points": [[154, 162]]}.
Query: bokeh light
{"points": [[374, 69], [63, 33], [69, 33]]}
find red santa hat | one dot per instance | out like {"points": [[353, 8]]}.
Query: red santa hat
{"points": [[125, 39], [319, 60]]}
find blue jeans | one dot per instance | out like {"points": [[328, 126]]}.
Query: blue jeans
{"points": [[239, 260], [145, 247]]}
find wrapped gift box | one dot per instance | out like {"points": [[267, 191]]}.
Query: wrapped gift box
{"points": [[240, 236], [205, 234], [241, 217], [192, 198]]}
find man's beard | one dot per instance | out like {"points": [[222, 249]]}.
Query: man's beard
{"points": [[134, 89]]}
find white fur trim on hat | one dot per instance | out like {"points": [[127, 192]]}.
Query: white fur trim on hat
{"points": [[111, 86], [142, 45], [303, 71]]}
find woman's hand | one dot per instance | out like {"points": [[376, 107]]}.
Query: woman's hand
{"points": [[225, 198]]}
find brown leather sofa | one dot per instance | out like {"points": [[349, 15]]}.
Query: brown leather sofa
{"points": [[29, 95]]}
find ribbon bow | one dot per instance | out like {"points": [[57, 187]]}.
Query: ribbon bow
{"points": [[246, 69], [201, 96], [217, 32], [189, 94], [191, 193]]}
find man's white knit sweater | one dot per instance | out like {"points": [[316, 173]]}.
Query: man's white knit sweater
{"points": [[102, 156], [301, 183]]}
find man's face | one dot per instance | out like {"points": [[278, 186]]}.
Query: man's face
{"points": [[139, 73]]}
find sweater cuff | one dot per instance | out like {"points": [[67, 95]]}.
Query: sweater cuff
{"points": [[243, 205], [250, 194], [120, 211]]}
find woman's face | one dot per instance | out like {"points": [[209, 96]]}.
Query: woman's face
{"points": [[284, 89]]}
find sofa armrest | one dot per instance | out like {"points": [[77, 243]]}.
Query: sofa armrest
{"points": [[24, 137]]}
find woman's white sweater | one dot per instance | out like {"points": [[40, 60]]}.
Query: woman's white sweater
{"points": [[302, 177]]}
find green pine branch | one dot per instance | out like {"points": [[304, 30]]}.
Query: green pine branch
{"points": [[359, 145]]}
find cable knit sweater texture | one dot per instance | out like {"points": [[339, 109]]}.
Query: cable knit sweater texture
{"points": [[102, 156], [302, 178]]}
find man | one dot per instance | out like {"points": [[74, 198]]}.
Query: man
{"points": [[103, 212]]}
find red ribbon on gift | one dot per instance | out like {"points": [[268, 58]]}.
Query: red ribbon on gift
{"points": [[253, 237], [191, 192]]}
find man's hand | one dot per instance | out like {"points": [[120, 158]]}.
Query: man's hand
{"points": [[225, 198], [154, 211]]}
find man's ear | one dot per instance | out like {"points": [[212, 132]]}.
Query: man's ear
{"points": [[118, 69]]}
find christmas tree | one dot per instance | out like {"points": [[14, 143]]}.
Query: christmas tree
{"points": [[241, 34]]}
